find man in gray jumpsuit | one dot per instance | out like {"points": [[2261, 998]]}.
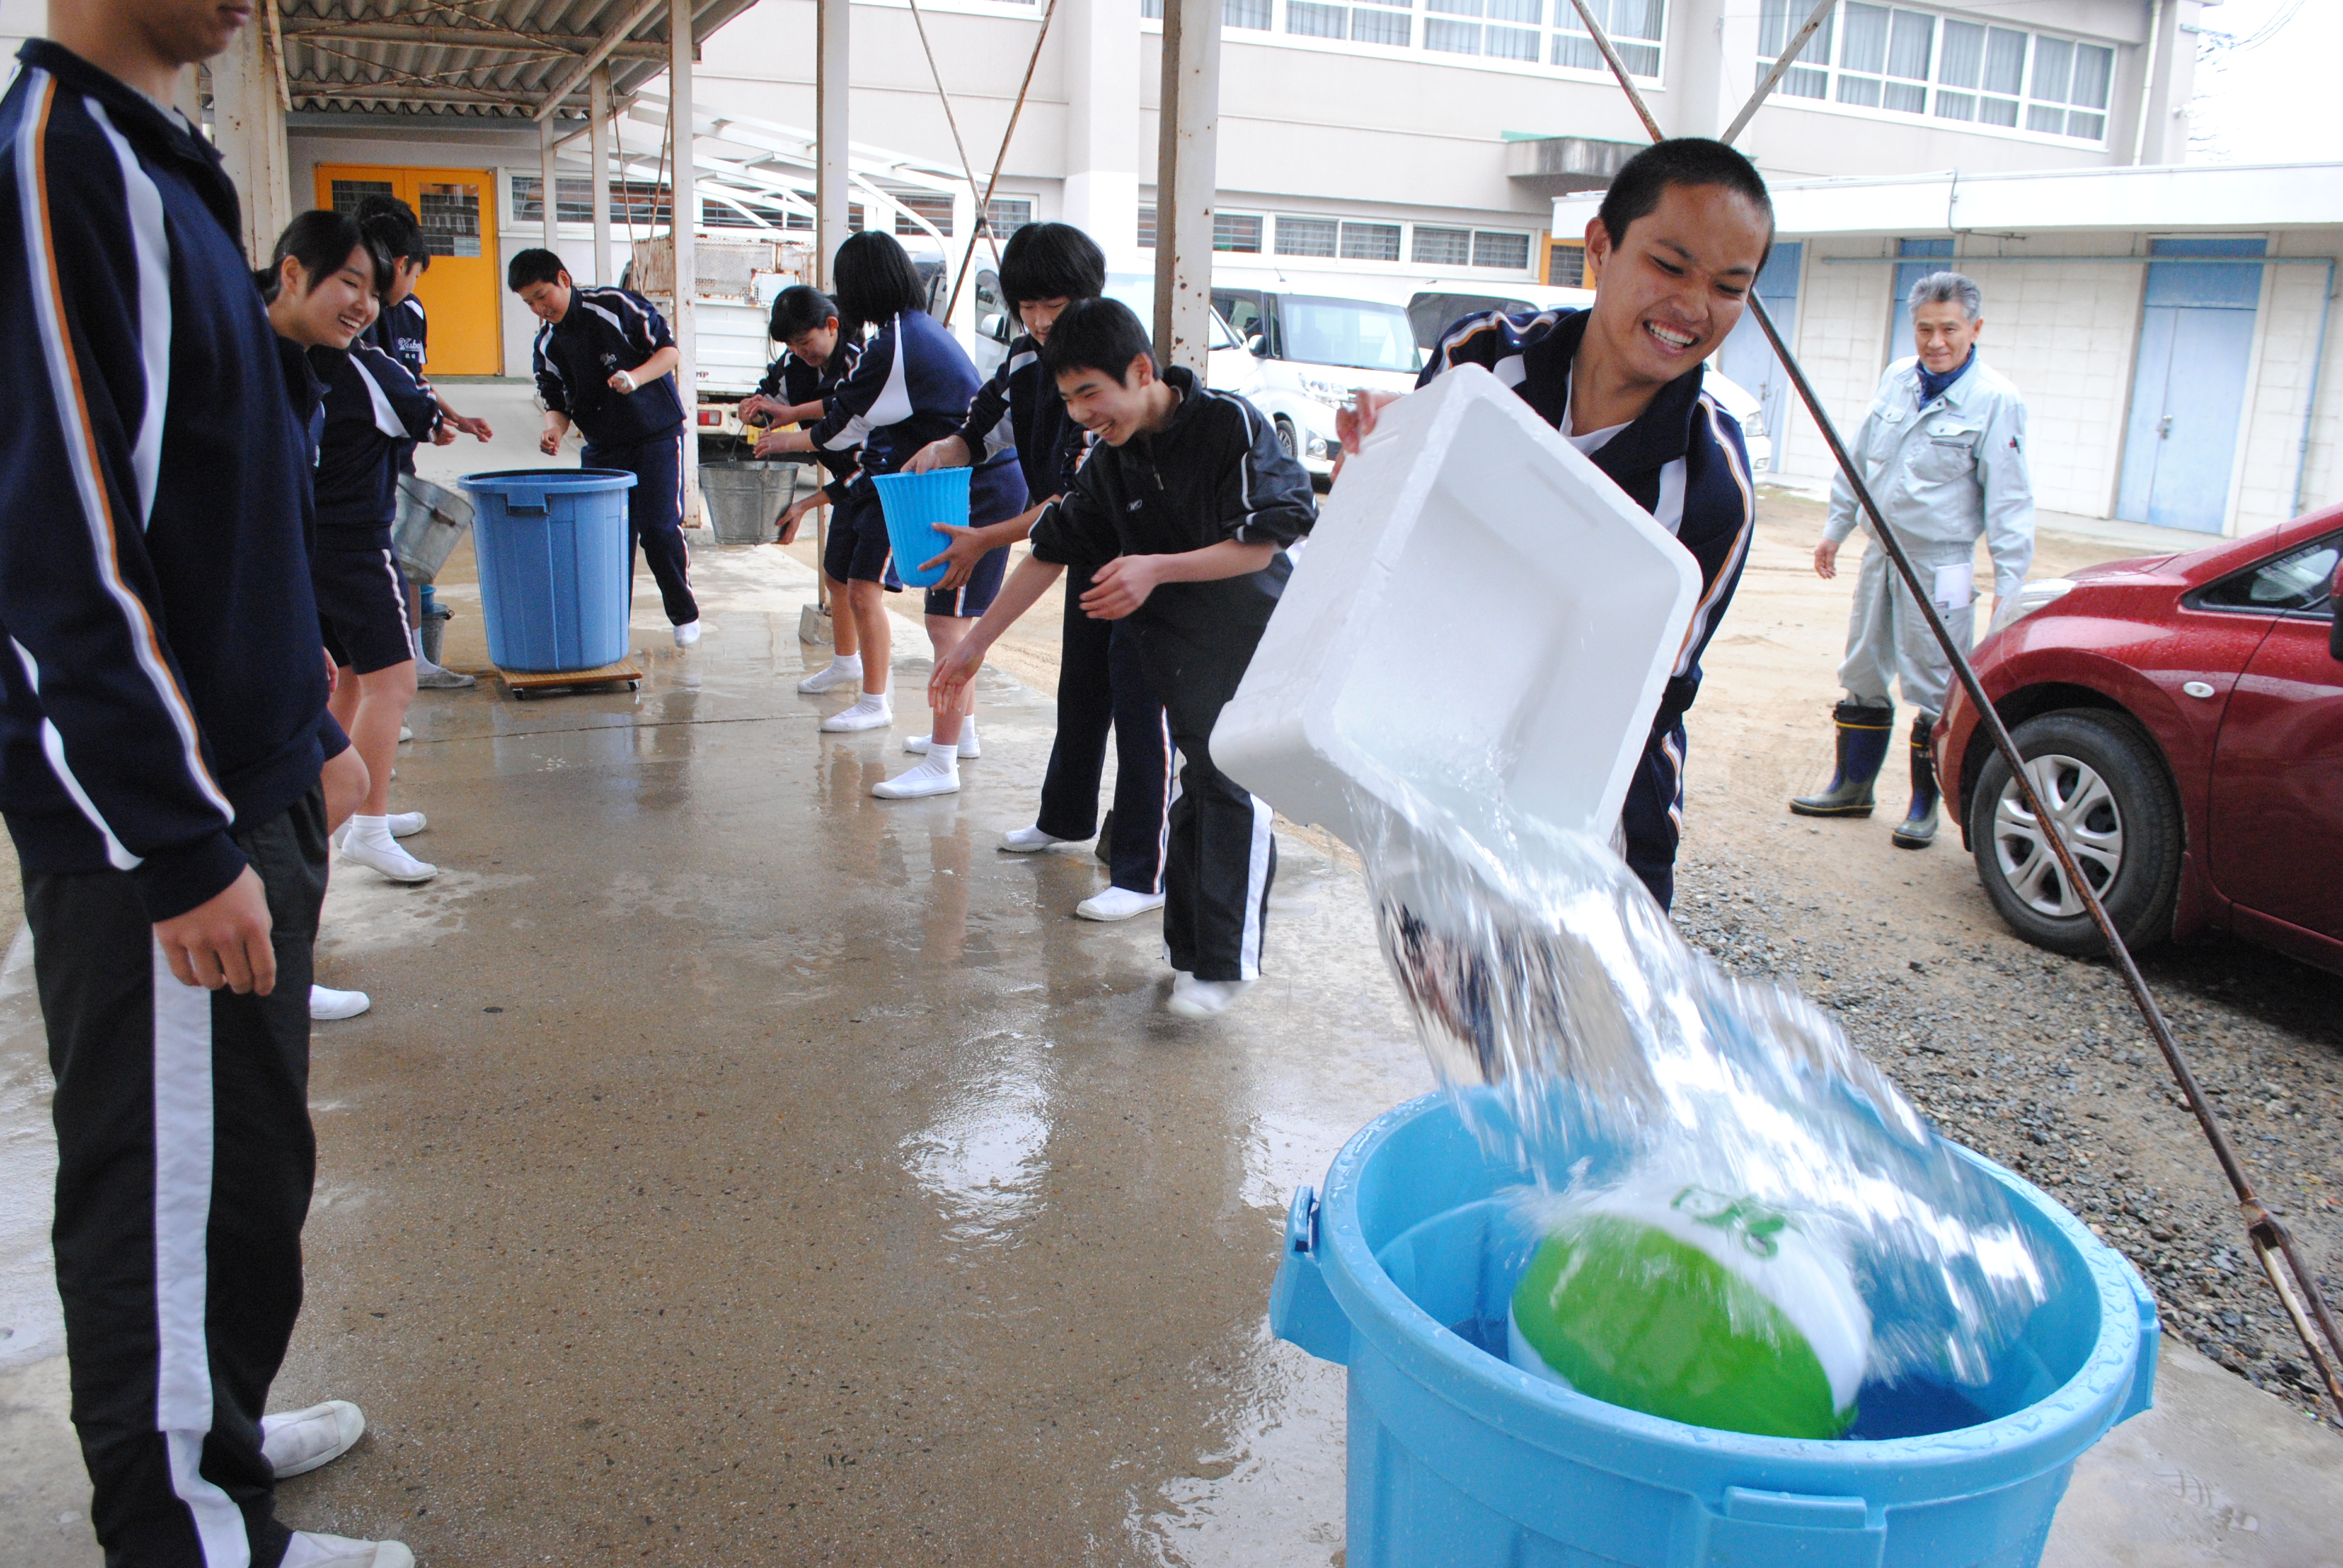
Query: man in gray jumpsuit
{"points": [[1943, 450]]}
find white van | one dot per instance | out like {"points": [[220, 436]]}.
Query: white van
{"points": [[1313, 347], [1440, 303], [1227, 366]]}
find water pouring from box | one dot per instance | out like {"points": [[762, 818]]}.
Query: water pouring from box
{"points": [[1690, 1198]]}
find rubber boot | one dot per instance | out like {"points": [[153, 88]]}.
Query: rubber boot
{"points": [[1918, 828], [1862, 736]]}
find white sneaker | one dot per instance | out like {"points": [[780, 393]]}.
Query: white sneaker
{"points": [[405, 824], [300, 1440], [917, 745], [382, 856], [1118, 904], [1194, 998], [687, 634], [308, 1549], [929, 778], [430, 676], [1031, 841], [837, 673], [405, 735], [869, 712], [326, 1004]]}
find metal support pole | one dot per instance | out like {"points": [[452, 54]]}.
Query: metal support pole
{"points": [[683, 224], [832, 85], [2271, 1243], [552, 205], [598, 143], [1186, 180], [248, 127]]}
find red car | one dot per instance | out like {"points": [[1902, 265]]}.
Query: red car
{"points": [[2182, 716]]}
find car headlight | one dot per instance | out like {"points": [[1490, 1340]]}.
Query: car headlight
{"points": [[1333, 394], [1753, 428], [2034, 596]]}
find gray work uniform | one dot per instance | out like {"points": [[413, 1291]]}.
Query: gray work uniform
{"points": [[1944, 473]]}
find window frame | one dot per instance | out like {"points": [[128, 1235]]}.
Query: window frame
{"points": [[1557, 20], [2203, 598]]}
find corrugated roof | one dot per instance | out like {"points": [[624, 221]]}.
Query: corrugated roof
{"points": [[486, 58]]}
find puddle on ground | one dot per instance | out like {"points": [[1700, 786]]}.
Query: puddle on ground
{"points": [[981, 1158]]}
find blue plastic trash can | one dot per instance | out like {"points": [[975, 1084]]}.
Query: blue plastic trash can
{"points": [[914, 504], [555, 567], [1402, 1273]]}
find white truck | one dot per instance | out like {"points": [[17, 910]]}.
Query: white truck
{"points": [[731, 306]]}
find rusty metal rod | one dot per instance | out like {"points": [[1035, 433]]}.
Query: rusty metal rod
{"points": [[2263, 1227], [1015, 113]]}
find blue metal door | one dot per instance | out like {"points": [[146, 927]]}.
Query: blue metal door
{"points": [[2196, 353], [1748, 359]]}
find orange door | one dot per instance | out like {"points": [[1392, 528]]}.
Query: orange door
{"points": [[461, 301]]}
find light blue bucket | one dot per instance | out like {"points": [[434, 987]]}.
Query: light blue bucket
{"points": [[1402, 1273], [914, 505], [557, 568]]}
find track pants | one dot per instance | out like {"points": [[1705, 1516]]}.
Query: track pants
{"points": [[655, 515], [1223, 856], [185, 1165], [1887, 638], [1651, 818], [1103, 688]]}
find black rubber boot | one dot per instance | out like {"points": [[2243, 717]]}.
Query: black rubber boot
{"points": [[1862, 736], [1918, 828]]}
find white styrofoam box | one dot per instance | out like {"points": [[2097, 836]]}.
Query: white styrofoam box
{"points": [[1479, 609]]}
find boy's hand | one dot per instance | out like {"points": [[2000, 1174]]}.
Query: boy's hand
{"points": [[443, 433], [550, 443], [1355, 420], [475, 428], [952, 674], [946, 452], [757, 408], [1122, 585], [1827, 559], [793, 516], [223, 941], [622, 381], [776, 441], [960, 558]]}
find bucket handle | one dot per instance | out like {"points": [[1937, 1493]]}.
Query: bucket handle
{"points": [[525, 501], [1301, 1311], [1789, 1527]]}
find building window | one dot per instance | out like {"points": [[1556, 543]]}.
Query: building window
{"points": [[1510, 252], [1442, 246], [1004, 215], [1637, 28], [1147, 228], [936, 208], [1237, 232], [573, 198], [1565, 265], [1250, 13], [1366, 241], [1915, 62], [1306, 236]]}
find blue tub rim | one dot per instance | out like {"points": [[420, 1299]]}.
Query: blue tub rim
{"points": [[524, 489], [2115, 1382]]}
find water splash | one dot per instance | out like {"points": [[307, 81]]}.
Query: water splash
{"points": [[1583, 1039]]}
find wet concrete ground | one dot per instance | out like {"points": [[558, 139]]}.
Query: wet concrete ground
{"points": [[736, 1169]]}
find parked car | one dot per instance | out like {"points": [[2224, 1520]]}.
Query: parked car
{"points": [[1314, 350], [1227, 366], [1430, 310], [2182, 718]]}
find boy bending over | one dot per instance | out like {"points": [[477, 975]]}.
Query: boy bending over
{"points": [[1180, 518]]}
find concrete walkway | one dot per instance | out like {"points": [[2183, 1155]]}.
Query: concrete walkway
{"points": [[736, 1169]]}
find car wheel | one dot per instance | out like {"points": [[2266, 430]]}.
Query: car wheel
{"points": [[2099, 780], [1285, 441]]}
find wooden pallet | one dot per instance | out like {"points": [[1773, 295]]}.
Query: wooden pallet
{"points": [[525, 684]]}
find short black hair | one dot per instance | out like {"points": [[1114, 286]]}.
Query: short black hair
{"points": [[1096, 335], [1637, 187], [799, 308], [1051, 261], [393, 222], [533, 266], [875, 280], [321, 241]]}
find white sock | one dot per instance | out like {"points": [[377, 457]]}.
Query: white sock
{"points": [[939, 760], [372, 831], [849, 663]]}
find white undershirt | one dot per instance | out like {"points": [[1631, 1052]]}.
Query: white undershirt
{"points": [[1593, 441]]}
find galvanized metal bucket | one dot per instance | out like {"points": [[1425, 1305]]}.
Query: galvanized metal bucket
{"points": [[745, 499], [431, 521]]}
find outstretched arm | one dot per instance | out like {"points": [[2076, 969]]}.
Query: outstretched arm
{"points": [[1025, 586]]}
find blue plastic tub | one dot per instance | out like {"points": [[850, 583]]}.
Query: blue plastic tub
{"points": [[1403, 1271], [914, 505], [557, 571]]}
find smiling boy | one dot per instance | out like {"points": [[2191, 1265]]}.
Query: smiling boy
{"points": [[1181, 517], [1674, 249]]}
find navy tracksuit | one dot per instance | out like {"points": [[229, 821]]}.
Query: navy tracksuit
{"points": [[1102, 686], [1684, 462], [1216, 473], [795, 382], [161, 702], [402, 332], [606, 330], [374, 413]]}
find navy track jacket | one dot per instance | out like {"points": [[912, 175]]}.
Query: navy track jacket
{"points": [[162, 681], [1020, 407], [911, 386], [1682, 461], [606, 330], [794, 381], [374, 411]]}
